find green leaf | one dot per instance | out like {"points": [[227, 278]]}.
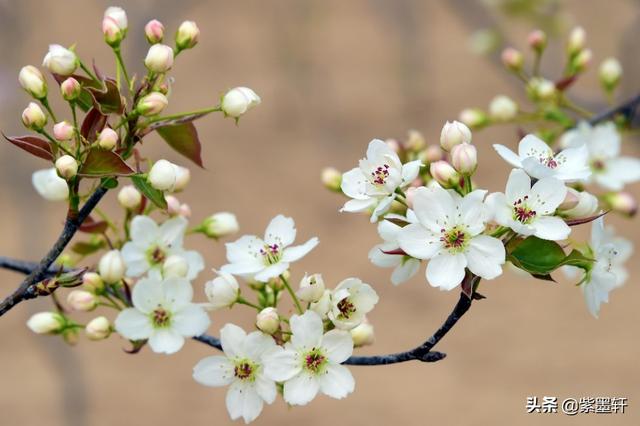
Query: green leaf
{"points": [[536, 256], [100, 163], [182, 137], [152, 194], [576, 258], [109, 182], [107, 99], [86, 248]]}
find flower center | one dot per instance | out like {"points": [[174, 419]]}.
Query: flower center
{"points": [[271, 254], [156, 255], [161, 318], [314, 360], [380, 174], [521, 212], [550, 162], [244, 370], [346, 308], [455, 239], [598, 165]]}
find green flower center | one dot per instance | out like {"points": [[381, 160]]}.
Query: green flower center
{"points": [[597, 166], [161, 318], [314, 361], [156, 255], [455, 239], [245, 369]]}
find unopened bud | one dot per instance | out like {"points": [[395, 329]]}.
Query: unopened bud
{"points": [[238, 101], [113, 35], [67, 166], [152, 104], [473, 117], [622, 202], [610, 72], [464, 158], [185, 210], [222, 291], [363, 334], [154, 31], [542, 89], [570, 200], [173, 205], [183, 176], [63, 131], [98, 328], [33, 118], [46, 322], [118, 15], [32, 80], [394, 145], [432, 154], [503, 108], [415, 141], [60, 60], [537, 40], [311, 288], [268, 321], [162, 175], [175, 266], [444, 174], [584, 204], [187, 35], [512, 59], [577, 40], [220, 225], [129, 197], [331, 178], [81, 300], [108, 138], [92, 282], [159, 58], [70, 89], [454, 133], [581, 60], [111, 267]]}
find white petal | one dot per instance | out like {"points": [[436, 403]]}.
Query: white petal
{"points": [[244, 250], [271, 271], [135, 258], [379, 258], [388, 231], [354, 184], [214, 371], [49, 185], [382, 207], [291, 254], [410, 170], [258, 343], [243, 268], [499, 209], [171, 232], [307, 330], [337, 381], [508, 155], [419, 242], [533, 146], [281, 364], [405, 271], [232, 339], [446, 271], [472, 212], [518, 185], [133, 324], [195, 261], [144, 231], [551, 228], [281, 230], [546, 195], [354, 206], [301, 389], [190, 321], [243, 401], [485, 256], [536, 169], [338, 345], [266, 388], [434, 207], [166, 341], [147, 295], [177, 292]]}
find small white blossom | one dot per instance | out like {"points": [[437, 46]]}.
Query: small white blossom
{"points": [[311, 288], [351, 300], [222, 291], [405, 267], [237, 101]]}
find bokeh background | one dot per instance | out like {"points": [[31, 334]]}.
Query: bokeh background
{"points": [[332, 76]]}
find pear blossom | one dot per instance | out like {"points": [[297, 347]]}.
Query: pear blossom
{"points": [[405, 267], [323, 305], [609, 169], [241, 368], [351, 300], [263, 259], [49, 185], [151, 244], [539, 160], [162, 313], [60, 60], [311, 288], [268, 320], [311, 361], [237, 101], [530, 210], [449, 233], [373, 184], [222, 291]]}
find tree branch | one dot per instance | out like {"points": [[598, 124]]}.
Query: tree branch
{"points": [[628, 109], [26, 290]]}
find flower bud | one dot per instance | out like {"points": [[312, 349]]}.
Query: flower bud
{"points": [[363, 334], [416, 141], [70, 89], [577, 39], [464, 158], [220, 225], [581, 60], [60, 60], [129, 197], [92, 282], [311, 288], [570, 200], [185, 210], [322, 306], [622, 202], [584, 204], [154, 31], [432, 154], [268, 321], [49, 185], [222, 291], [46, 322], [238, 101], [111, 267], [503, 108], [542, 89], [108, 138], [63, 131], [454, 133], [152, 104], [81, 300], [473, 117], [98, 328], [67, 166], [159, 58], [33, 117], [162, 175], [512, 59], [331, 178], [173, 205], [183, 176], [175, 266], [444, 174], [610, 72], [537, 40], [118, 15], [113, 35], [32, 80], [187, 35]]}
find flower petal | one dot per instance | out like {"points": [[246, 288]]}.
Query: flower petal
{"points": [[291, 254], [551, 228], [508, 155], [419, 242], [405, 271], [147, 295], [533, 146], [144, 231], [281, 364], [410, 170], [232, 339], [337, 381], [307, 330], [546, 195], [354, 206], [214, 371], [243, 401], [195, 262], [266, 388], [354, 184], [135, 258], [281, 230], [446, 270], [244, 250], [338, 345], [433, 206], [518, 185], [301, 389], [271, 271], [485, 256], [166, 341], [258, 343], [133, 324], [190, 321], [171, 232]]}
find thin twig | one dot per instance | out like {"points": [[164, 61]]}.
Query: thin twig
{"points": [[628, 109]]}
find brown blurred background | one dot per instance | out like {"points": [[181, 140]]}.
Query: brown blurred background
{"points": [[332, 76]]}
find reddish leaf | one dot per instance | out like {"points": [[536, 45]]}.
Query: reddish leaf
{"points": [[93, 123], [107, 99], [582, 220], [92, 226], [33, 145], [566, 82], [100, 163], [397, 251], [183, 138]]}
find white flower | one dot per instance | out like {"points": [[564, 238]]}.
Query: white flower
{"points": [[49, 185], [238, 101], [151, 245], [311, 288], [222, 291], [263, 259], [539, 160], [323, 305], [163, 313], [60, 60], [449, 233], [374, 183], [609, 169], [351, 300], [310, 362], [530, 210], [405, 266], [242, 369]]}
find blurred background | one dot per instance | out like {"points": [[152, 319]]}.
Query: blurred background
{"points": [[332, 75]]}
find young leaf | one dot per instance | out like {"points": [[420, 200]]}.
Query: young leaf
{"points": [[93, 123], [537, 256], [86, 248], [92, 226], [183, 138], [33, 145], [107, 99], [101, 163], [582, 220], [152, 194]]}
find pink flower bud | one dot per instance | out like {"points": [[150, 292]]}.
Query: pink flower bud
{"points": [[154, 31], [512, 59], [584, 204], [432, 154], [268, 320], [129, 197], [67, 166], [622, 202], [98, 328], [159, 58], [394, 145], [108, 138], [80, 300], [537, 40], [32, 80], [63, 131], [173, 205], [152, 104], [464, 158], [415, 141], [92, 282], [33, 118], [187, 35], [444, 174], [118, 15], [60, 60], [113, 35], [571, 200], [454, 133], [70, 89], [185, 210]]}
